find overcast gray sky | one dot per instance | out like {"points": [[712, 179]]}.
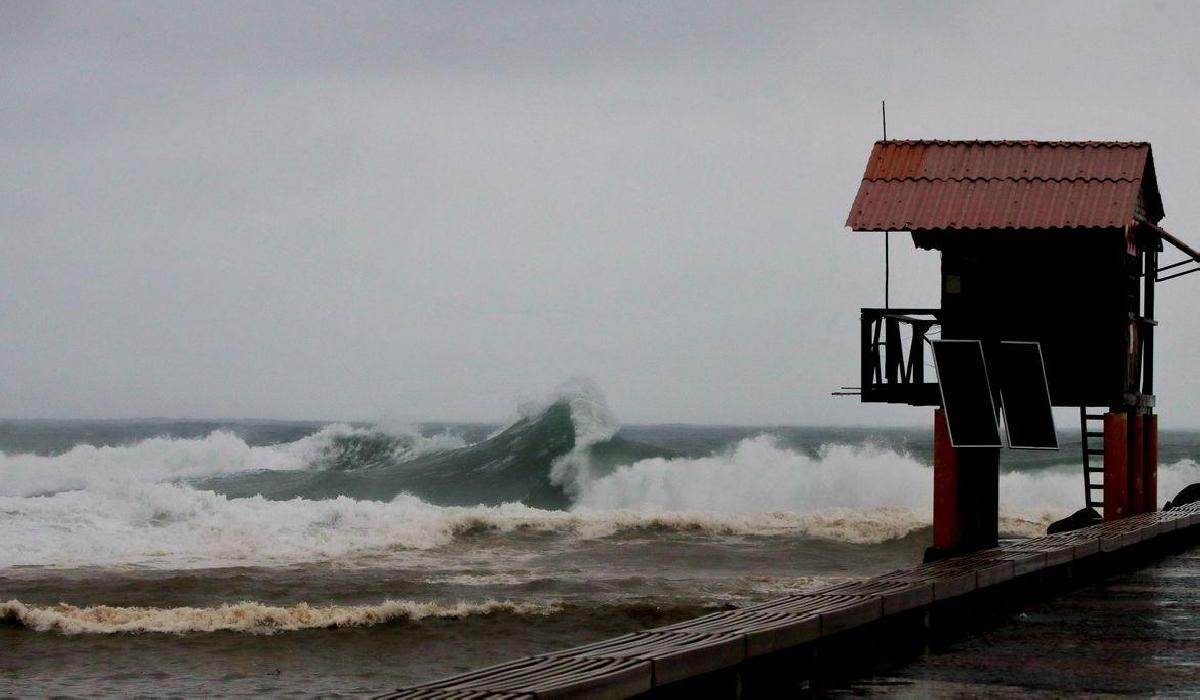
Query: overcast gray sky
{"points": [[430, 210]]}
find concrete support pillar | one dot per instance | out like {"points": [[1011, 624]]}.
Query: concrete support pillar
{"points": [[1116, 466], [1137, 460], [965, 494], [979, 496], [1150, 466], [947, 518]]}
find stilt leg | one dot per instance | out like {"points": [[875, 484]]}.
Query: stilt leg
{"points": [[1116, 466]]}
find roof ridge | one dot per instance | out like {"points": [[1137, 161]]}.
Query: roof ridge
{"points": [[1015, 142], [1001, 178], [891, 227]]}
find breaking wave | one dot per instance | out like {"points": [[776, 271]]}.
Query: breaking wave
{"points": [[247, 617], [759, 475], [335, 447], [559, 468], [868, 484], [175, 526]]}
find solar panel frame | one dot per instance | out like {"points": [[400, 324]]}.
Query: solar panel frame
{"points": [[1049, 401], [987, 384]]}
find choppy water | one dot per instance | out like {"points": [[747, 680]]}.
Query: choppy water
{"points": [[266, 557]]}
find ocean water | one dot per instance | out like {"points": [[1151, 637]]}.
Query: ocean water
{"points": [[254, 557]]}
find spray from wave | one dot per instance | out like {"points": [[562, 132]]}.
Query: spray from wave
{"points": [[866, 493], [594, 425], [248, 617]]}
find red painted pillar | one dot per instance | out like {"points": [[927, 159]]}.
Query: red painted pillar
{"points": [[1150, 466], [1137, 460], [947, 516], [1116, 466]]}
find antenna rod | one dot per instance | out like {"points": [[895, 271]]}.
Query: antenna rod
{"points": [[887, 235]]}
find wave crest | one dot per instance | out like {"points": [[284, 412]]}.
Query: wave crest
{"points": [[336, 446], [248, 617], [345, 493], [758, 474], [855, 494]]}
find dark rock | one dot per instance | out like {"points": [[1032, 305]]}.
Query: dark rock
{"points": [[1189, 494], [1084, 517]]}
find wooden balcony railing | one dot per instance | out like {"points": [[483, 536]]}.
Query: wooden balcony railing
{"points": [[892, 373]]}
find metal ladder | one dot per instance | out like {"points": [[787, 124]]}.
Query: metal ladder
{"points": [[1090, 472]]}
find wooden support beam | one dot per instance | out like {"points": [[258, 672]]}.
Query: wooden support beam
{"points": [[1173, 240]]}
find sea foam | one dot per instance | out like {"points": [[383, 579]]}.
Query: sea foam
{"points": [[247, 617], [165, 458], [861, 495], [177, 526], [866, 481], [127, 506]]}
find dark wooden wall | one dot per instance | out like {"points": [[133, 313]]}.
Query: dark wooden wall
{"points": [[1071, 290]]}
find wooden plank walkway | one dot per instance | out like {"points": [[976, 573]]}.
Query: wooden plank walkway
{"points": [[1136, 632], [664, 658]]}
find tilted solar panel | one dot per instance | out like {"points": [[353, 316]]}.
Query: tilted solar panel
{"points": [[966, 393], [1020, 376]]}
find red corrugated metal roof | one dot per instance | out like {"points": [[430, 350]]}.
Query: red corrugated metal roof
{"points": [[945, 185]]}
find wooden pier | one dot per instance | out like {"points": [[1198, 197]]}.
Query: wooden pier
{"points": [[1133, 633], [792, 643]]}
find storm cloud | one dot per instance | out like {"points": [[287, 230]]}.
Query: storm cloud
{"points": [[428, 210]]}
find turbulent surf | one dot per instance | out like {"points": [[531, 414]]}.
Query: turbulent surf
{"points": [[554, 528], [366, 496]]}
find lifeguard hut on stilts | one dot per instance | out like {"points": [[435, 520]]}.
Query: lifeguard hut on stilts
{"points": [[1049, 259], [1050, 256]]}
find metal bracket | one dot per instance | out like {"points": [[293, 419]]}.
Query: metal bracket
{"points": [[1157, 278]]}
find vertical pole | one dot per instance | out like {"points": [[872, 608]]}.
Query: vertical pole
{"points": [[887, 269], [947, 516], [1137, 460], [1150, 272], [867, 362], [887, 235], [1116, 466], [1150, 465]]}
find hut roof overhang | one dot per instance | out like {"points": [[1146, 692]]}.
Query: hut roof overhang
{"points": [[927, 186]]}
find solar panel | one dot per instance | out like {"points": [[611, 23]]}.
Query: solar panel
{"points": [[1025, 396], [966, 393]]}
